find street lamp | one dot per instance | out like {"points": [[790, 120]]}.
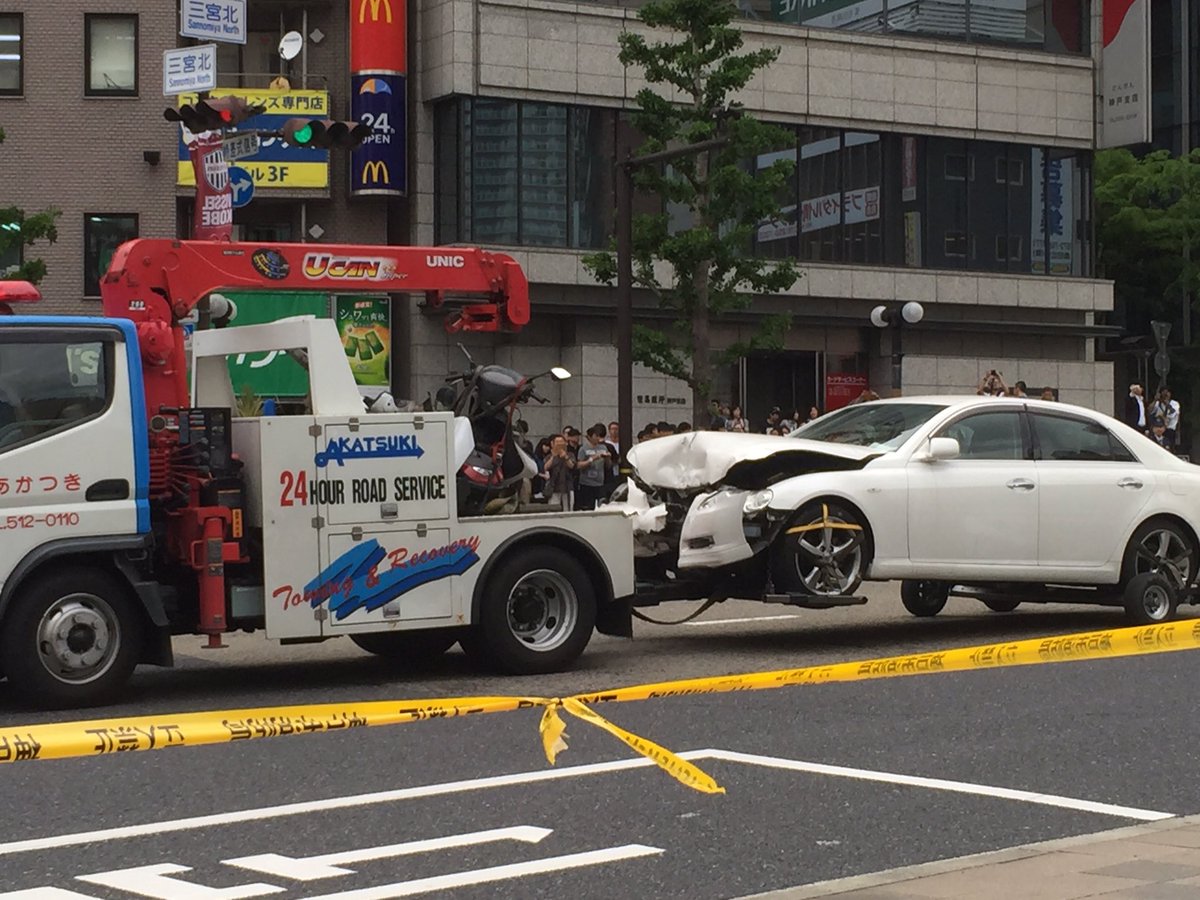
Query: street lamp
{"points": [[896, 318]]}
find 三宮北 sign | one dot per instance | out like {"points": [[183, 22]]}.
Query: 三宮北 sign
{"points": [[213, 20], [189, 69]]}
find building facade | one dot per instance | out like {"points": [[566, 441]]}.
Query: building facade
{"points": [[943, 155]]}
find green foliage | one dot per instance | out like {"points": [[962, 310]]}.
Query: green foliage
{"points": [[711, 270], [18, 228], [1148, 232]]}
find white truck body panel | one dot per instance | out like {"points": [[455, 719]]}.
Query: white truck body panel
{"points": [[44, 479]]}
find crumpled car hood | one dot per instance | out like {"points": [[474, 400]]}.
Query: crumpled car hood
{"points": [[704, 459]]}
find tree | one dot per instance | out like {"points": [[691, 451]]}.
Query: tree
{"points": [[21, 229], [712, 270], [1148, 232]]}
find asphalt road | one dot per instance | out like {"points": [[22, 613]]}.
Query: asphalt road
{"points": [[1111, 741]]}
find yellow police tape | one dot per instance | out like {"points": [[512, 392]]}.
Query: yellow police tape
{"points": [[105, 736]]}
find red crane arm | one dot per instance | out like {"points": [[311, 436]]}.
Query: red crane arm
{"points": [[158, 282]]}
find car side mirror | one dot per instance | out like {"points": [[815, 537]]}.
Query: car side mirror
{"points": [[942, 448]]}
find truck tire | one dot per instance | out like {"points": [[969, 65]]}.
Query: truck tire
{"points": [[408, 647], [1150, 599], [924, 598], [70, 638], [537, 613]]}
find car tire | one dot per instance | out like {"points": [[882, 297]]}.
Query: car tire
{"points": [[1161, 545], [71, 638], [1001, 604], [537, 614], [924, 599], [823, 552], [408, 647], [1150, 599]]}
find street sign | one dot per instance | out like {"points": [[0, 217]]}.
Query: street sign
{"points": [[188, 70], [1162, 331], [241, 186], [1162, 363], [241, 144], [214, 20]]}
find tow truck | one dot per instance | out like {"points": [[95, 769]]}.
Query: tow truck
{"points": [[136, 504]]}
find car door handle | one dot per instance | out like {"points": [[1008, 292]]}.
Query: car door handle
{"points": [[1130, 483], [108, 489], [1020, 484]]}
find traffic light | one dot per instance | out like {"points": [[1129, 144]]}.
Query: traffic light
{"points": [[322, 134], [213, 115]]}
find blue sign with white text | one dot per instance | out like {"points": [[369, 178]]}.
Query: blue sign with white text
{"points": [[380, 164]]}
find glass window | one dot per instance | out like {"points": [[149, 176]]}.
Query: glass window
{"points": [[103, 233], [1076, 440], [988, 435], [593, 198], [884, 426], [48, 385], [820, 178], [544, 164], [776, 238], [111, 51], [12, 47], [509, 172], [12, 251]]}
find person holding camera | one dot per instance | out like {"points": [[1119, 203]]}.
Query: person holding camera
{"points": [[560, 466], [992, 385]]}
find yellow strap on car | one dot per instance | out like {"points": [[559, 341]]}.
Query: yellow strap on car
{"points": [[107, 736]]}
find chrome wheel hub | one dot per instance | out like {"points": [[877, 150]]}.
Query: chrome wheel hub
{"points": [[78, 638]]}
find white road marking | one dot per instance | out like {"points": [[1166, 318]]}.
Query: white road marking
{"points": [[311, 868], [232, 817], [495, 873], [939, 784], [154, 881], [45, 893], [696, 623], [498, 781]]}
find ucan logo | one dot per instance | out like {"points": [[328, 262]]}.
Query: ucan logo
{"points": [[446, 262], [348, 268]]}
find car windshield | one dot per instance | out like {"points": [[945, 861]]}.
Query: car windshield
{"points": [[880, 426]]}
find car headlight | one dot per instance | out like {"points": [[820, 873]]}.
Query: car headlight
{"points": [[708, 501], [758, 501]]}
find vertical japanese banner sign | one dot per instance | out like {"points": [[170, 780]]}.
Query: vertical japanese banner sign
{"points": [[378, 96], [214, 199], [1125, 73], [364, 325]]}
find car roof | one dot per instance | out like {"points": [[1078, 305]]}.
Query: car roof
{"points": [[965, 402]]}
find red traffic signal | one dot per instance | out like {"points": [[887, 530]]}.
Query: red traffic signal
{"points": [[213, 115], [323, 134]]}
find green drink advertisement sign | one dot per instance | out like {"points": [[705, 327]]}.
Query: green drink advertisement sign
{"points": [[364, 326]]}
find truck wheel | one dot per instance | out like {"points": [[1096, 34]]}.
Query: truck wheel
{"points": [[1150, 599], [409, 647], [1001, 604], [71, 638], [924, 598], [537, 614]]}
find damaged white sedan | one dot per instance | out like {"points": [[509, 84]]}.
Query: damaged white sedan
{"points": [[1005, 500]]}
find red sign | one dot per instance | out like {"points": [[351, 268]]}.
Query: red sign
{"points": [[379, 37], [842, 388], [214, 198]]}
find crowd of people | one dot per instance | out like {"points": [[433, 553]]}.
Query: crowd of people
{"points": [[1158, 419]]}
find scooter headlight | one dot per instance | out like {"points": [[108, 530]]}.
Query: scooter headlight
{"points": [[757, 502]]}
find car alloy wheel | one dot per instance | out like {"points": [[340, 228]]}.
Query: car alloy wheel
{"points": [[828, 551], [1165, 551]]}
